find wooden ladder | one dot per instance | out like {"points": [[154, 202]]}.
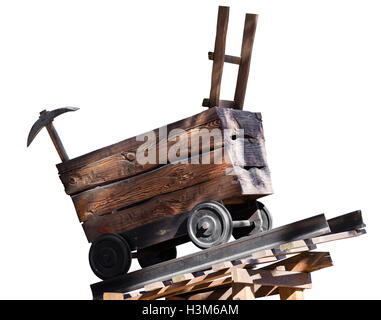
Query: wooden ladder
{"points": [[219, 58]]}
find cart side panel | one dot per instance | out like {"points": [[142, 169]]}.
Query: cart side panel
{"points": [[121, 163], [168, 178], [124, 164], [244, 159], [131, 143], [162, 206]]}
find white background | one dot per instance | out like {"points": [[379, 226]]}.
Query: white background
{"points": [[134, 66]]}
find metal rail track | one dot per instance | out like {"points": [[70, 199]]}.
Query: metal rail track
{"points": [[303, 229], [242, 248]]}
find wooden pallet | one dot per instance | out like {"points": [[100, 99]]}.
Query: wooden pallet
{"points": [[287, 273]]}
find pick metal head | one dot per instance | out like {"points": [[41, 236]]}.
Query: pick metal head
{"points": [[45, 118]]}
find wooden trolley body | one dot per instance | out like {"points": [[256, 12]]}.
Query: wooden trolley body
{"points": [[113, 193]]}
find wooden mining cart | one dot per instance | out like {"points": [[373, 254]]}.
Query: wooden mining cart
{"points": [[131, 208]]}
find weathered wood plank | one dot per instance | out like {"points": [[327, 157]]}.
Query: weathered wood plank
{"points": [[291, 294], [308, 261], [182, 277], [222, 265], [280, 278], [219, 54], [222, 293], [154, 286], [131, 143], [113, 296], [171, 177], [125, 164], [221, 103], [242, 282], [162, 206], [244, 67], [242, 285], [248, 152], [182, 285], [215, 284]]}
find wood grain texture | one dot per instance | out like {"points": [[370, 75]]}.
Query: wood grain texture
{"points": [[291, 294], [242, 282], [124, 164], [168, 178], [244, 158], [280, 278], [244, 67], [57, 142], [131, 143], [183, 286], [219, 55], [255, 180], [227, 58], [162, 206], [221, 103], [242, 285], [307, 261], [222, 293], [113, 296]]}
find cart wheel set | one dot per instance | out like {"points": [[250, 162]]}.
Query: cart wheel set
{"points": [[209, 224]]}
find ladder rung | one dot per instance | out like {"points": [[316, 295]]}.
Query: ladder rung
{"points": [[227, 59], [221, 103]]}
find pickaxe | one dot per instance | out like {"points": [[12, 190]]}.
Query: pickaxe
{"points": [[46, 120]]}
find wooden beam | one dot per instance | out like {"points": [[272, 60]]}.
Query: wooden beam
{"points": [[222, 265], [113, 296], [244, 67], [154, 286], [223, 293], [206, 286], [219, 55], [278, 278], [291, 294], [227, 59], [182, 277], [221, 103], [182, 285], [242, 285]]}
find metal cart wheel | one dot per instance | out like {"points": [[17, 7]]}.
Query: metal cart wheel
{"points": [[209, 224], [150, 256], [257, 213], [110, 256]]}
